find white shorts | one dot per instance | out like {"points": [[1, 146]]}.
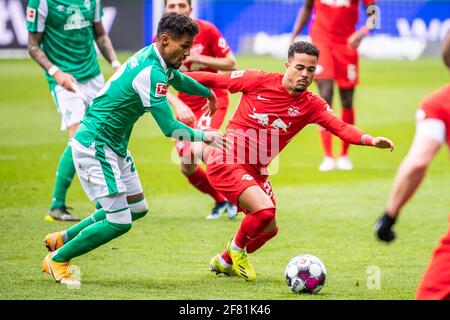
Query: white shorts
{"points": [[102, 172], [72, 106]]}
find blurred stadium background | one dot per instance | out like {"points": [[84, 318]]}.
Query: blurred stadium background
{"points": [[408, 29]]}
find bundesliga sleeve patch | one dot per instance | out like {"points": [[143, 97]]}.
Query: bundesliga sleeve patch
{"points": [[161, 89], [31, 14], [237, 74]]}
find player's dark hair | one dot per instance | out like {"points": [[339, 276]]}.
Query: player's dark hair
{"points": [[189, 2], [176, 25], [303, 47]]}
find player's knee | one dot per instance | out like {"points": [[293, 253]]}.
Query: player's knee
{"points": [[120, 228], [267, 215], [120, 222], [138, 209]]}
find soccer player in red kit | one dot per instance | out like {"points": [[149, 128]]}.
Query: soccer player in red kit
{"points": [[274, 107], [210, 52], [432, 131], [333, 32]]}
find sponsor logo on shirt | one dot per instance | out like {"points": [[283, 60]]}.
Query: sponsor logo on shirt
{"points": [[247, 177], [222, 43], [87, 4], [293, 111], [264, 119], [161, 89], [31, 14], [76, 20], [259, 97]]}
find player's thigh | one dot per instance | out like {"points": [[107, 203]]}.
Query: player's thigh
{"points": [[435, 283], [325, 67], [71, 106], [346, 66], [98, 169], [254, 199], [130, 176]]}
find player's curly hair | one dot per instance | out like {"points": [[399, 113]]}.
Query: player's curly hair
{"points": [[188, 1], [303, 47], [176, 25]]}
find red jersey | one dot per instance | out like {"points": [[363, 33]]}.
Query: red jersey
{"points": [[335, 20], [437, 106], [268, 117], [209, 42]]}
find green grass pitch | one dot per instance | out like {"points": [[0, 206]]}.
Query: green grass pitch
{"points": [[166, 255]]}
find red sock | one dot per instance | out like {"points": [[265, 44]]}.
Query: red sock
{"points": [[327, 142], [263, 237], [226, 257], [253, 224], [348, 116], [200, 181]]}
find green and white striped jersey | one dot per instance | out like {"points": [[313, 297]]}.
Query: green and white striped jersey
{"points": [[140, 85], [68, 34]]}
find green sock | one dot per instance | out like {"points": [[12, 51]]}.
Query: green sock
{"points": [[97, 216], [90, 238], [64, 176], [73, 231]]}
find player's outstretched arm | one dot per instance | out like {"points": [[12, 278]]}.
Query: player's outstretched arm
{"points": [[191, 87], [349, 133], [173, 128]]}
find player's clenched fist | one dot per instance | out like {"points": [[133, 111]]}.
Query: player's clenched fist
{"points": [[65, 80], [216, 139]]}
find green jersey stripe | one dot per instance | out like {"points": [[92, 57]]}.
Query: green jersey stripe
{"points": [[106, 169]]}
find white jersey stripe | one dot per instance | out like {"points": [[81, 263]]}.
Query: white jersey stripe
{"points": [[97, 16], [141, 84], [42, 15]]}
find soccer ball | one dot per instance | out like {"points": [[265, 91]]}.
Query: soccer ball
{"points": [[305, 274]]}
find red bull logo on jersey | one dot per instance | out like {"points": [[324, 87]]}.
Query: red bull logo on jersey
{"points": [[265, 118], [161, 89]]}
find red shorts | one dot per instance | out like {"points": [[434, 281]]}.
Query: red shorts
{"points": [[435, 284], [205, 123], [232, 179], [339, 62]]}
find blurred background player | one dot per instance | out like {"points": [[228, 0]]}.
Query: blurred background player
{"points": [[333, 32], [210, 53], [273, 109], [432, 131], [61, 40], [103, 163]]}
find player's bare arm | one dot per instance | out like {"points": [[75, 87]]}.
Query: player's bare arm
{"points": [[302, 18], [105, 45], [227, 63], [355, 39], [63, 79]]}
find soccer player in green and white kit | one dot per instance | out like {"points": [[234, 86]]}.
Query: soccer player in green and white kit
{"points": [[99, 148], [61, 40]]}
